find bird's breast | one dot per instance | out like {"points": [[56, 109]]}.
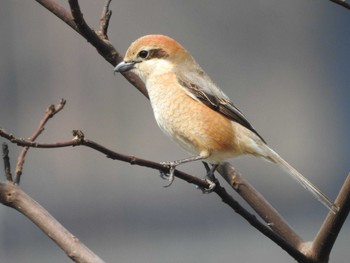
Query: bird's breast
{"points": [[190, 123]]}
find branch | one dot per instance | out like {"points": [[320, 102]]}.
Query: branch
{"points": [[76, 21], [12, 196], [59, 11], [7, 165], [275, 237], [289, 244], [263, 208], [103, 46], [316, 251], [104, 20], [328, 233], [80, 139], [50, 112]]}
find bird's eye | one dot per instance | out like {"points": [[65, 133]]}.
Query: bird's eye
{"points": [[143, 54]]}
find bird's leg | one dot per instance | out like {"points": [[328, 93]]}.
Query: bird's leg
{"points": [[210, 171], [172, 165], [209, 177]]}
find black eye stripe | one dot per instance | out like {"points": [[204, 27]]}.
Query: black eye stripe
{"points": [[153, 53], [158, 53]]}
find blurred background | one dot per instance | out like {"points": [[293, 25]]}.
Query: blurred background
{"points": [[285, 64]]}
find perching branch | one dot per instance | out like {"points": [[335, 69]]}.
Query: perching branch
{"points": [[80, 140], [277, 229]]}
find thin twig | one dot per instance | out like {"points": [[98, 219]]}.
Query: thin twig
{"points": [[104, 20], [103, 46], [80, 140], [50, 112], [7, 164]]}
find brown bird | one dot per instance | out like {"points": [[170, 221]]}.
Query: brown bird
{"points": [[194, 112]]}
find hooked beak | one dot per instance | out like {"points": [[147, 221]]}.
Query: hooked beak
{"points": [[124, 66]]}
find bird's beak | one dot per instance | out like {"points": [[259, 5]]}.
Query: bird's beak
{"points": [[124, 66]]}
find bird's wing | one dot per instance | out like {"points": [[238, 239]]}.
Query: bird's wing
{"points": [[199, 86]]}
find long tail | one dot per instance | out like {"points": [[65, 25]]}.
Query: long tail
{"points": [[274, 157]]}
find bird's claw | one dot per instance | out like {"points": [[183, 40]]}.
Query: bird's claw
{"points": [[209, 189], [170, 175]]}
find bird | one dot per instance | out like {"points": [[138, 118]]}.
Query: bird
{"points": [[194, 112]]}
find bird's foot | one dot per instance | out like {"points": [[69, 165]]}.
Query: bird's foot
{"points": [[169, 176], [209, 178], [209, 189]]}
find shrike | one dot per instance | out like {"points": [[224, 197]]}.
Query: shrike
{"points": [[194, 112]]}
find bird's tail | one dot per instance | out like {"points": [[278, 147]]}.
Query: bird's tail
{"points": [[274, 157]]}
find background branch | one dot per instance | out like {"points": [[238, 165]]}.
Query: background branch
{"points": [[103, 47], [328, 233], [266, 230], [263, 208], [12, 196], [7, 165], [104, 20], [50, 112]]}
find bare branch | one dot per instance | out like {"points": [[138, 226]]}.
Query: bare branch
{"points": [[280, 241], [7, 164], [59, 11], [80, 140], [263, 208], [290, 245], [104, 20], [12, 196], [103, 47], [226, 198], [50, 112], [328, 233]]}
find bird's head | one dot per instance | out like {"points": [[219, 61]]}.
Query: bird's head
{"points": [[154, 54]]}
